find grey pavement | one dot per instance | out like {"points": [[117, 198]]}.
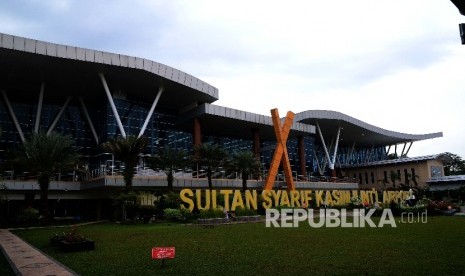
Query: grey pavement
{"points": [[27, 260]]}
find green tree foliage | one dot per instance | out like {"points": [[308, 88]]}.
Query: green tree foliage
{"points": [[209, 157], [453, 164], [44, 155], [127, 150], [169, 160], [245, 163]]}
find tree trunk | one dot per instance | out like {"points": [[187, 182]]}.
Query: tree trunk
{"points": [[170, 180], [209, 177], [244, 181], [128, 175], [44, 181]]}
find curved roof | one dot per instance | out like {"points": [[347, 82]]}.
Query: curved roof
{"points": [[235, 123], [356, 131], [73, 71]]}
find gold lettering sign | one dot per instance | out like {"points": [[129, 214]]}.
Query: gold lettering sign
{"points": [[204, 199]]}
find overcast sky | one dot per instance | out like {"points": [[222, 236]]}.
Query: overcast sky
{"points": [[396, 64]]}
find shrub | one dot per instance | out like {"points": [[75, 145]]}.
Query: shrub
{"points": [[418, 208], [173, 214], [439, 207], [355, 202], [242, 212], [187, 215], [29, 215], [212, 213], [70, 236]]}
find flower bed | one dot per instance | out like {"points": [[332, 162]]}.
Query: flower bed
{"points": [[76, 245], [71, 241]]}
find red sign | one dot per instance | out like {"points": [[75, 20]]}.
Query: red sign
{"points": [[163, 252]]}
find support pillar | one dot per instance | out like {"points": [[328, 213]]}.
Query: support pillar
{"points": [[302, 159], [256, 143], [197, 135]]}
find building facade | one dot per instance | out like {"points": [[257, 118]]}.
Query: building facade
{"points": [[94, 96]]}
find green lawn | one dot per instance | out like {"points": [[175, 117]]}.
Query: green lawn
{"points": [[434, 248]]}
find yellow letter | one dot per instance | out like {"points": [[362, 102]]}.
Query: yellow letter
{"points": [[267, 202], [375, 192], [198, 194], [251, 199], [319, 198], [386, 197], [214, 200], [308, 197], [336, 197], [295, 196], [276, 196], [226, 194], [237, 200], [329, 199], [183, 195], [344, 197], [285, 199], [365, 197]]}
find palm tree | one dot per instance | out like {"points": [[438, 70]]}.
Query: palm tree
{"points": [[245, 163], [210, 157], [169, 160], [44, 155], [127, 150]]}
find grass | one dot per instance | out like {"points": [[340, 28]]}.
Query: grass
{"points": [[436, 247]]}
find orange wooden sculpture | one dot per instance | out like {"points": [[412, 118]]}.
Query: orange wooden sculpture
{"points": [[280, 155]]}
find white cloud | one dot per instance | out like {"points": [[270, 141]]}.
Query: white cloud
{"points": [[394, 64]]}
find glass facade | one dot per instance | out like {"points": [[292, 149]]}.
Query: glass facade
{"points": [[161, 132]]}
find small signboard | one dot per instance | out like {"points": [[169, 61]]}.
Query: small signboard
{"points": [[163, 253]]}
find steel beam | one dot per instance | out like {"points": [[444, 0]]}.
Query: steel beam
{"points": [[152, 108], [408, 149], [335, 147], [57, 118], [323, 142], [112, 104], [91, 125], [39, 107], [13, 116]]}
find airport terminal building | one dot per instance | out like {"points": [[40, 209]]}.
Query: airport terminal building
{"points": [[94, 96]]}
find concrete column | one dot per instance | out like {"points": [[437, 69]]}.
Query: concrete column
{"points": [[301, 152], [197, 135], [256, 142]]}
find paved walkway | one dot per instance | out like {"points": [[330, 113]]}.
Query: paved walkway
{"points": [[27, 260]]}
